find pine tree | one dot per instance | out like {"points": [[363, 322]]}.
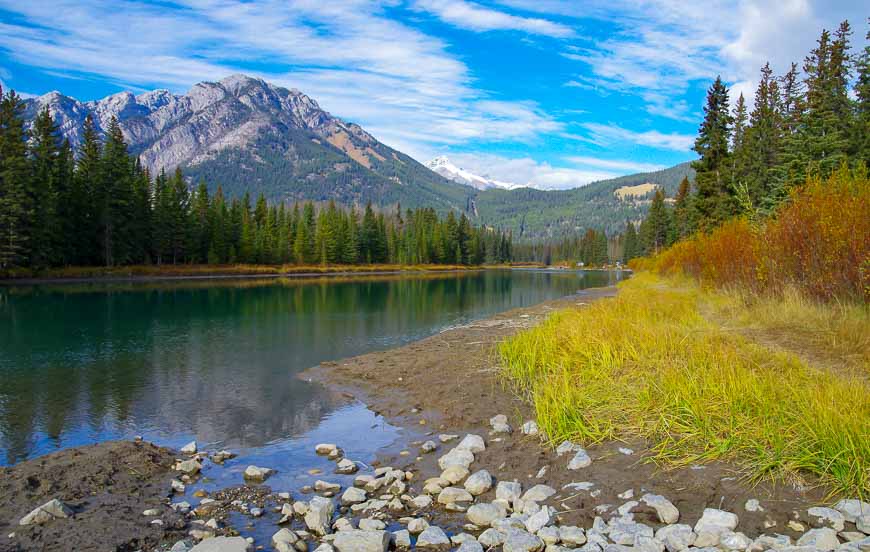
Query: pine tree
{"points": [[860, 137], [14, 174], [86, 183], [42, 190], [764, 141], [714, 197], [631, 248], [113, 197], [683, 223]]}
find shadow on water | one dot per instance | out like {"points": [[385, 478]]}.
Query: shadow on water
{"points": [[215, 361]]}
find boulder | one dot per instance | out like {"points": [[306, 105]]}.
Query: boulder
{"points": [[456, 457], [371, 524], [478, 483], [665, 510], [325, 449], [189, 467], [257, 473], [470, 546], [517, 540], [53, 509], [624, 530], [451, 495], [508, 490], [454, 474], [223, 544], [472, 443], [433, 537], [491, 538], [346, 467], [676, 537], [361, 541], [574, 536], [828, 517], [711, 526], [417, 525], [538, 521], [484, 514], [820, 539], [319, 515], [402, 539], [538, 493], [353, 495], [285, 541], [189, 448], [852, 508]]}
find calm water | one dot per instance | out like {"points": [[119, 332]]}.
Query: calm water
{"points": [[215, 360]]}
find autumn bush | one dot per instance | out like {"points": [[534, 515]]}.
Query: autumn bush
{"points": [[818, 241]]}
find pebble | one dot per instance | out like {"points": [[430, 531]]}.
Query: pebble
{"points": [[530, 428], [538, 493], [478, 483], [580, 460], [346, 467], [257, 473], [189, 448], [753, 505], [433, 536], [484, 514]]}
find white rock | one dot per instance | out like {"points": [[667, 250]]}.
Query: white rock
{"points": [[508, 490], [53, 509], [432, 537], [456, 457], [517, 540], [319, 516], [189, 448], [538, 521], [422, 501], [257, 473], [478, 483], [353, 495], [428, 446], [753, 505], [346, 467], [470, 546], [626, 451], [549, 534], [223, 544], [624, 530], [484, 514], [446, 437], [151, 512], [451, 495], [829, 517], [820, 539], [715, 522], [472, 443], [284, 540], [454, 474], [677, 537], [530, 428], [361, 541], [566, 447], [417, 525], [326, 486], [644, 543], [325, 448], [402, 539], [538, 493], [851, 508], [862, 523], [730, 540], [580, 460], [369, 524], [189, 467], [665, 510], [177, 486], [491, 538]]}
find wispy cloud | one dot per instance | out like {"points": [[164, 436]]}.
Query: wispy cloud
{"points": [[525, 171], [474, 17], [348, 54], [605, 135]]}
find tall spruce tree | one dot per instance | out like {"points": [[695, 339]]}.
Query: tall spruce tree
{"points": [[42, 190], [714, 201], [15, 208]]}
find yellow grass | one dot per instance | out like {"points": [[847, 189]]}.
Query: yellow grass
{"points": [[705, 376]]}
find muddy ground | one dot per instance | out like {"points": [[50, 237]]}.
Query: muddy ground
{"points": [[107, 486], [449, 383]]}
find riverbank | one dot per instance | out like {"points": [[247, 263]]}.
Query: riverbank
{"points": [[451, 385], [189, 272]]}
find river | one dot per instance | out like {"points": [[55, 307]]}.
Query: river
{"points": [[216, 361]]}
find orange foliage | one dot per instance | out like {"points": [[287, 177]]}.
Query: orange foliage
{"points": [[818, 241]]}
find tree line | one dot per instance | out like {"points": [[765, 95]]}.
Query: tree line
{"points": [[801, 124], [99, 206]]}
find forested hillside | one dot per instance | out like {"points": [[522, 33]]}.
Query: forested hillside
{"points": [[98, 206], [537, 214]]}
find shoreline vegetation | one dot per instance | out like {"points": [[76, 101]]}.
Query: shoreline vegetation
{"points": [[195, 271]]}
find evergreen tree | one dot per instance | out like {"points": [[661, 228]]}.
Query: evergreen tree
{"points": [[15, 211], [860, 140], [42, 190], [714, 201], [631, 249]]}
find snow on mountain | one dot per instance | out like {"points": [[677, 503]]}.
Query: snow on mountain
{"points": [[448, 170]]}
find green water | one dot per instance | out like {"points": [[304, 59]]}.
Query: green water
{"points": [[216, 360]]}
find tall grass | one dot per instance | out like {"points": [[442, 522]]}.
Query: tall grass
{"points": [[665, 362]]}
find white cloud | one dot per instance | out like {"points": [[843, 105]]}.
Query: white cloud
{"points": [[474, 17], [614, 164], [525, 171], [605, 135], [401, 84]]}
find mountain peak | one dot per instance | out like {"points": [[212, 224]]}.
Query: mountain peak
{"points": [[443, 166]]}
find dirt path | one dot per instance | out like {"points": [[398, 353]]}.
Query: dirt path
{"points": [[449, 383]]}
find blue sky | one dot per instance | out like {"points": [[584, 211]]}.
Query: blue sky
{"points": [[556, 93]]}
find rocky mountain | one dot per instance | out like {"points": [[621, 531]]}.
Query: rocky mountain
{"points": [[249, 135], [443, 166]]}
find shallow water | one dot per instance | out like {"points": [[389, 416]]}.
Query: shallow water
{"points": [[215, 361]]}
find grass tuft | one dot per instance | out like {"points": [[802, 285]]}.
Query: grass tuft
{"points": [[688, 370]]}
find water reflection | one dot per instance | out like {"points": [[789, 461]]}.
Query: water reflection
{"points": [[215, 359]]}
